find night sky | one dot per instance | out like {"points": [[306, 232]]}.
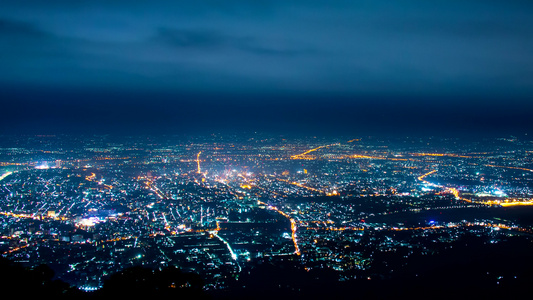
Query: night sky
{"points": [[311, 67]]}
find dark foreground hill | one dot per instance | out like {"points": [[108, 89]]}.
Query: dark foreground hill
{"points": [[470, 269]]}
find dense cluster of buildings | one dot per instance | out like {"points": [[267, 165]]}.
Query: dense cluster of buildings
{"points": [[218, 206]]}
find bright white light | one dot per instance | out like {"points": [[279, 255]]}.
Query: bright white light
{"points": [[42, 166], [499, 193], [89, 221]]}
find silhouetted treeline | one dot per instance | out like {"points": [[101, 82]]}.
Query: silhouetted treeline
{"points": [[469, 268], [139, 281], [472, 268], [134, 282], [39, 281]]}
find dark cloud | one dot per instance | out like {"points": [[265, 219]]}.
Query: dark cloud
{"points": [[407, 47], [210, 40], [15, 29], [259, 48], [195, 39], [418, 53]]}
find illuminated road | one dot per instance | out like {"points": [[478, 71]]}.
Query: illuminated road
{"points": [[19, 216], [5, 175], [151, 186], [233, 255], [301, 185], [293, 226], [510, 202], [199, 171], [356, 156], [467, 224], [453, 191], [421, 178], [302, 155], [92, 177], [505, 203], [34, 217], [509, 167], [441, 155]]}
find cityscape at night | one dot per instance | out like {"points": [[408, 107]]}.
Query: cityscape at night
{"points": [[224, 207], [266, 149]]}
